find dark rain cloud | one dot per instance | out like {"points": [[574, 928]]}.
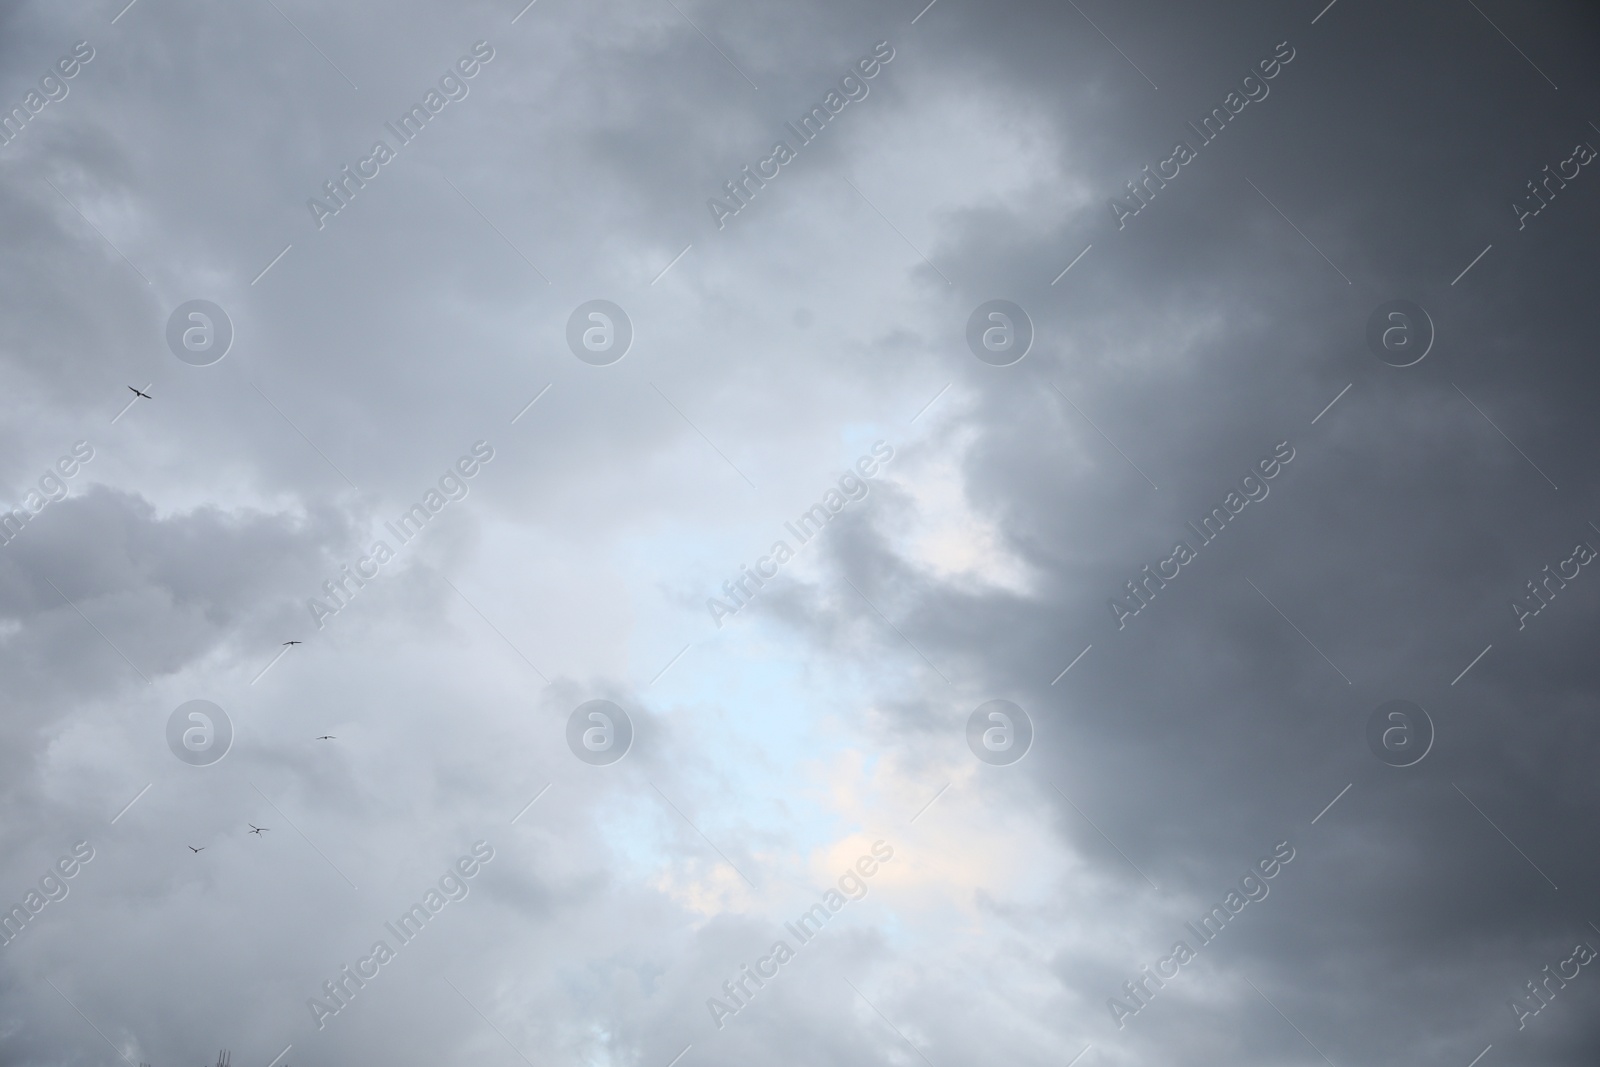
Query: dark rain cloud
{"points": [[1179, 351]]}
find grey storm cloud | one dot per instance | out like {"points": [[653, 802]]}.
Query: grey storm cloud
{"points": [[1217, 670]]}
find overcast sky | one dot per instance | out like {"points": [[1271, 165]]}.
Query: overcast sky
{"points": [[1351, 323]]}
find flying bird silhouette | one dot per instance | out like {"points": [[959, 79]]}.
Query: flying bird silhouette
{"points": [[294, 642], [254, 829], [191, 848], [137, 392], [327, 737]]}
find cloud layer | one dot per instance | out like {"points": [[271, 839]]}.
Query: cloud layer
{"points": [[1198, 302]]}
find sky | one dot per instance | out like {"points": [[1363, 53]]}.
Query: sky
{"points": [[707, 533]]}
